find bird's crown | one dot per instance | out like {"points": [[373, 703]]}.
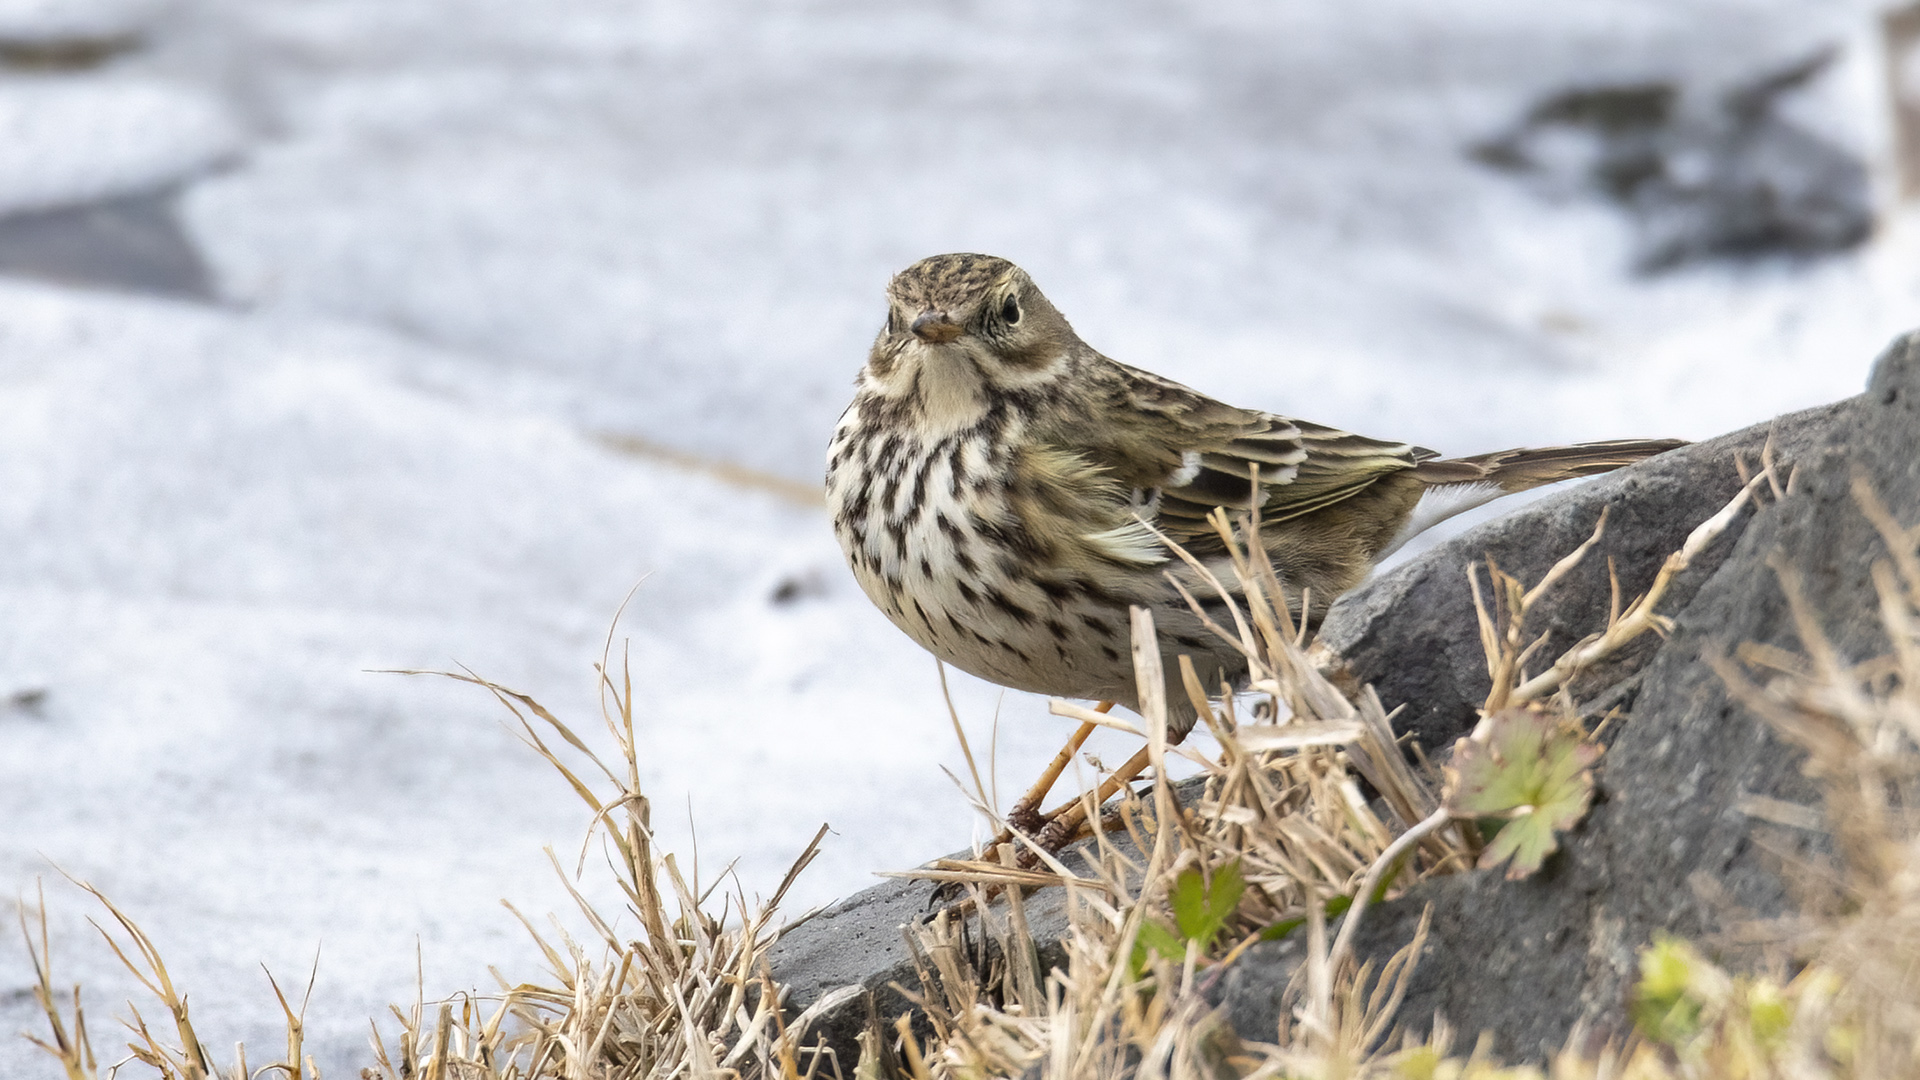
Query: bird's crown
{"points": [[950, 282]]}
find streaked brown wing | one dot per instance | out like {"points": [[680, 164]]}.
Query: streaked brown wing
{"points": [[1303, 467], [1199, 454], [1339, 465]]}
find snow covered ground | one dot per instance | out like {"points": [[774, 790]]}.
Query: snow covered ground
{"points": [[458, 242]]}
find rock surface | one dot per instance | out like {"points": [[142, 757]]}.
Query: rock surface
{"points": [[1529, 960], [1411, 632], [132, 243], [861, 942]]}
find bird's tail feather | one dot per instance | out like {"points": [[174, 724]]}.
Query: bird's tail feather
{"points": [[1456, 485], [1522, 469]]}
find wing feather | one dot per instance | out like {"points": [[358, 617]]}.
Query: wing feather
{"points": [[1309, 468], [1193, 454]]}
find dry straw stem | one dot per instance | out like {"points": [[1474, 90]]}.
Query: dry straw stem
{"points": [[689, 995], [71, 1047], [727, 472], [1503, 630], [1282, 813], [1281, 803], [188, 1058], [1502, 627]]}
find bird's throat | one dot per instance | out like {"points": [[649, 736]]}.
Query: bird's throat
{"points": [[949, 393]]}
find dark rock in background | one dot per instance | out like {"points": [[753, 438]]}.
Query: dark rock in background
{"points": [[132, 243], [1900, 34], [1529, 960], [70, 53], [1734, 178]]}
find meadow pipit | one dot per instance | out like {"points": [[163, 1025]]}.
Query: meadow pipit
{"points": [[1001, 490]]}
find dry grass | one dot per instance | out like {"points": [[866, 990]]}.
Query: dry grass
{"points": [[184, 1057], [1283, 829], [1857, 935], [1281, 842], [688, 995], [1282, 816]]}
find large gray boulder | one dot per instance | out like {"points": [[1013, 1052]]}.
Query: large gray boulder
{"points": [[1528, 960], [1411, 632]]}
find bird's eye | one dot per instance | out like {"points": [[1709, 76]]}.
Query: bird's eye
{"points": [[1010, 311]]}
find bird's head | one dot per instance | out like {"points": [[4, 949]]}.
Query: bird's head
{"points": [[968, 325]]}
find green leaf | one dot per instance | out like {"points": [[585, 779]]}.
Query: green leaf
{"points": [[1155, 938], [1276, 931], [1162, 940], [1229, 885], [1530, 773], [1769, 1013], [1200, 911], [1415, 1063], [1189, 901], [1663, 1008]]}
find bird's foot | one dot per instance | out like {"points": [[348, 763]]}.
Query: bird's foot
{"points": [[1026, 819]]}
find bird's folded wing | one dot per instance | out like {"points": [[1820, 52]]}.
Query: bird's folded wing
{"points": [[1303, 467], [1197, 453]]}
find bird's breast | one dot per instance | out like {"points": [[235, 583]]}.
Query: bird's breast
{"points": [[930, 531], [912, 513]]}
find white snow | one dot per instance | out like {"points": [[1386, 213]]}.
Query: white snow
{"points": [[65, 20], [459, 239], [74, 141]]}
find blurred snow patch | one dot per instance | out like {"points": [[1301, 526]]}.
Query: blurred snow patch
{"points": [[64, 20], [74, 141]]}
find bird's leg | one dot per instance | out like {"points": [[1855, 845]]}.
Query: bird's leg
{"points": [[1064, 822], [1025, 815]]}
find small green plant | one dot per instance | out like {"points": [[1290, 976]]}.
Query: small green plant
{"points": [[1531, 776], [1201, 910], [1716, 1024], [1668, 1002]]}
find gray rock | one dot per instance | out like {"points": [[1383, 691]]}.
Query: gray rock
{"points": [[65, 52], [1528, 960], [132, 243], [858, 942], [1411, 632], [861, 942], [1732, 176]]}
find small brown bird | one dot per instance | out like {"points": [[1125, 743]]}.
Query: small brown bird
{"points": [[1001, 490]]}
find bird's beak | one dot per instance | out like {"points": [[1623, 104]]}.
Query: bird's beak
{"points": [[935, 327]]}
